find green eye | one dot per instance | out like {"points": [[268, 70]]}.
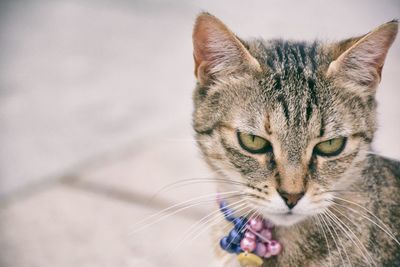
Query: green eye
{"points": [[331, 147], [253, 143]]}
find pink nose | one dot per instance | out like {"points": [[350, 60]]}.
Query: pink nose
{"points": [[291, 199]]}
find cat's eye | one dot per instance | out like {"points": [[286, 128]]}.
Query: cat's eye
{"points": [[331, 147], [253, 143]]}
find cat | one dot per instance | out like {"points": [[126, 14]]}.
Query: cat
{"points": [[289, 126]]}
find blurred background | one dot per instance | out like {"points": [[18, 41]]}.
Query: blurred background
{"points": [[95, 115]]}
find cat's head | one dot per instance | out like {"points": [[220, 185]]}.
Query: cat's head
{"points": [[292, 121]]}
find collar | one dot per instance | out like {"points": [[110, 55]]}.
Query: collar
{"points": [[251, 239]]}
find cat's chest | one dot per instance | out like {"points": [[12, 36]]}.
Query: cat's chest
{"points": [[301, 247]]}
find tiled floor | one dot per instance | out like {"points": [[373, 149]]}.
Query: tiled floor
{"points": [[95, 106]]}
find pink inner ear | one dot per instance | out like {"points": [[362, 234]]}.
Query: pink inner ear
{"points": [[210, 37], [200, 53], [362, 63], [199, 42], [217, 50]]}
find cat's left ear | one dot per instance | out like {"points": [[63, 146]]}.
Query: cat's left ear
{"points": [[360, 64], [217, 51]]}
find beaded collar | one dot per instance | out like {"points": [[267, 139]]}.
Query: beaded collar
{"points": [[251, 239]]}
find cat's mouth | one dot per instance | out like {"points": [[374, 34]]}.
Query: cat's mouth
{"points": [[285, 219]]}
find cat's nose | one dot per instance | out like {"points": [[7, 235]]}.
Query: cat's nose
{"points": [[291, 199]]}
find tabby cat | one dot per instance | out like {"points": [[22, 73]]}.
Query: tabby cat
{"points": [[290, 124]]}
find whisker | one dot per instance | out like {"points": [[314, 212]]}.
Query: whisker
{"points": [[387, 230], [343, 190], [210, 225], [333, 222], [364, 208], [372, 153], [341, 225], [203, 221], [201, 200], [244, 226], [324, 219], [326, 239], [215, 246], [195, 181], [369, 258]]}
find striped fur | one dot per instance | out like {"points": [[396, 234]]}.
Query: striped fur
{"points": [[297, 94]]}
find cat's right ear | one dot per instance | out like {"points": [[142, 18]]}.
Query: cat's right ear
{"points": [[217, 51]]}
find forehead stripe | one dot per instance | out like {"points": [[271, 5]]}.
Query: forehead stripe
{"points": [[281, 100]]}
